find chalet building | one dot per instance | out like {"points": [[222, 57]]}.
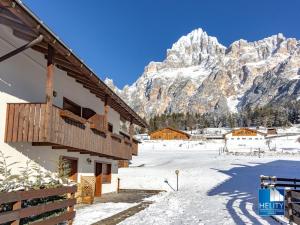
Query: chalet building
{"points": [[169, 133], [245, 139], [53, 107]]}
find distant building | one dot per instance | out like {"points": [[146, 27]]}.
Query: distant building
{"points": [[272, 131], [169, 133], [245, 139], [142, 137]]}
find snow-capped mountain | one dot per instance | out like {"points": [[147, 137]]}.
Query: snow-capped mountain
{"points": [[201, 75]]}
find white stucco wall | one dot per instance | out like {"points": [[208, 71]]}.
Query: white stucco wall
{"points": [[22, 79], [245, 143]]}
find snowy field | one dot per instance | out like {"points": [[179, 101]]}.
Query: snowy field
{"points": [[213, 188]]}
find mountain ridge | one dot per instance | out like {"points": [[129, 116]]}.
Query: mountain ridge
{"points": [[200, 75]]}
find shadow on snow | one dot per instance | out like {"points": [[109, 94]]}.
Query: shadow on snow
{"points": [[243, 183]]}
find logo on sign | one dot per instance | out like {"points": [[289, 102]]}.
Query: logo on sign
{"points": [[271, 202]]}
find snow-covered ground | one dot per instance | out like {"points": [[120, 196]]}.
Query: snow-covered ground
{"points": [[213, 188], [96, 212]]}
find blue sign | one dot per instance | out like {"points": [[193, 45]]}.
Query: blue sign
{"points": [[271, 202]]}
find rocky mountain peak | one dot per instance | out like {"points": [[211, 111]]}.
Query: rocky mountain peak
{"points": [[200, 75], [193, 49]]}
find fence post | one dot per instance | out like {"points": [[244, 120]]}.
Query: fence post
{"points": [[16, 206], [289, 206], [71, 208], [118, 189]]}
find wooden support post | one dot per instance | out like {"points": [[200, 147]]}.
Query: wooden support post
{"points": [[71, 208], [131, 129], [49, 93], [118, 190], [106, 111], [16, 206]]}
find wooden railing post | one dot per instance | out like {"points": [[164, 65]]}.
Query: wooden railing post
{"points": [[106, 111], [71, 208], [289, 205], [118, 190], [16, 206], [131, 129], [49, 92]]}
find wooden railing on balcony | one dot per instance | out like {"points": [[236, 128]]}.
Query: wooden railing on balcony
{"points": [[26, 123]]}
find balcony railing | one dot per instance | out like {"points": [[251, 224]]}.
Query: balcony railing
{"points": [[26, 122]]}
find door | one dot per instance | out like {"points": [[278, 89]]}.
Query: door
{"points": [[98, 175], [72, 167]]}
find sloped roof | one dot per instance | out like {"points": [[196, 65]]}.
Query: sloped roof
{"points": [[170, 128], [245, 128]]}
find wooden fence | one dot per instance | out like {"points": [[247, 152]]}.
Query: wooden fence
{"points": [[292, 206], [19, 212], [292, 194]]}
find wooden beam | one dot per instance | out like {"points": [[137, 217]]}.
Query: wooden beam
{"points": [[131, 129], [21, 49], [16, 26], [106, 111], [49, 92]]}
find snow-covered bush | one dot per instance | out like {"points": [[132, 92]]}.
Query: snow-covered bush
{"points": [[31, 176]]}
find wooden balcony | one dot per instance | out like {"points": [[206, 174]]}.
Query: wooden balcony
{"points": [[26, 122]]}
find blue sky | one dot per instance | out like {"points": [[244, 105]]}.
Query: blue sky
{"points": [[118, 38]]}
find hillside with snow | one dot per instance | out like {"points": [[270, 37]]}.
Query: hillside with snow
{"points": [[201, 75]]}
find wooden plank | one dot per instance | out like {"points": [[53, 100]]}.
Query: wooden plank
{"points": [[6, 123], [56, 220], [72, 116], [296, 207], [21, 123], [39, 209], [26, 121], [295, 219], [15, 123], [31, 122], [9, 217], [42, 123], [9, 122], [295, 194], [17, 206], [19, 213], [42, 193], [36, 122]]}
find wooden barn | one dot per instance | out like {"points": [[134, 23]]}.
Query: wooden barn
{"points": [[169, 133]]}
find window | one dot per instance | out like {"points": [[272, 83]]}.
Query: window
{"points": [[110, 127], [87, 113], [232, 138], [69, 167], [77, 109], [71, 106], [106, 173], [238, 138], [250, 138], [243, 138]]}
